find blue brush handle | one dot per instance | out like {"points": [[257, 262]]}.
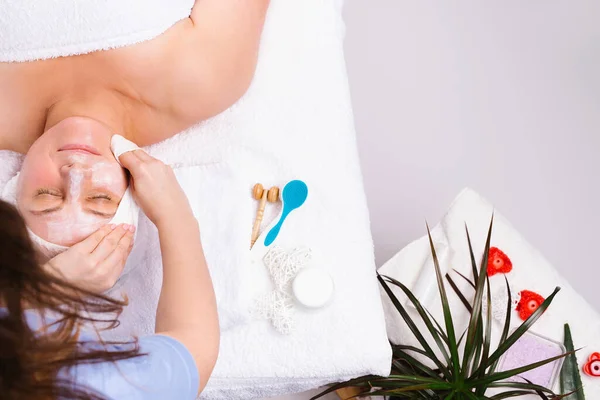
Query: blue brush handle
{"points": [[272, 235]]}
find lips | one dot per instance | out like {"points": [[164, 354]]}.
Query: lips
{"points": [[82, 148]]}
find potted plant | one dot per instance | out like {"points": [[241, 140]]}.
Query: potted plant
{"points": [[467, 367]]}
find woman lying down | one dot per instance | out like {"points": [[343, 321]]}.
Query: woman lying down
{"points": [[62, 113]]}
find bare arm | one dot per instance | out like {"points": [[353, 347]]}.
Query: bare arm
{"points": [[187, 308], [220, 52], [206, 63]]}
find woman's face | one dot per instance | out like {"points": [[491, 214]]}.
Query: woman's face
{"points": [[70, 183]]}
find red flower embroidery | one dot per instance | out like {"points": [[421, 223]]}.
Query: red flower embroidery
{"points": [[498, 262], [529, 302], [592, 368]]}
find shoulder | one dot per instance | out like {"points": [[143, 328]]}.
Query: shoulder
{"points": [[195, 70], [25, 92], [165, 369], [208, 60]]}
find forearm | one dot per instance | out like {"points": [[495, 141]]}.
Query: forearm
{"points": [[187, 306]]}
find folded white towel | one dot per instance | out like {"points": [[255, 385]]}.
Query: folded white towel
{"points": [[294, 123], [530, 272], [33, 30]]}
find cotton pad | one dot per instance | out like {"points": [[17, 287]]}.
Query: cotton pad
{"points": [[313, 287], [119, 146]]}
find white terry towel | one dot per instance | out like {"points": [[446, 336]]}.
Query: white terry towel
{"points": [[294, 123], [530, 272], [34, 30]]}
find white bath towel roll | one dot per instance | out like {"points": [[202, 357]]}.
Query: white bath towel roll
{"points": [[34, 30]]}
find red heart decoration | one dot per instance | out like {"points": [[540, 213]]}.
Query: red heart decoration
{"points": [[530, 301], [592, 367], [498, 262]]}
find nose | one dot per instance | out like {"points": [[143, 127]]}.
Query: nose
{"points": [[72, 167], [74, 177]]}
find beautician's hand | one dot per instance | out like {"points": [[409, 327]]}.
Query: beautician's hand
{"points": [[155, 188], [95, 263]]}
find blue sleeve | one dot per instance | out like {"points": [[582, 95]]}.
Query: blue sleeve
{"points": [[168, 371]]}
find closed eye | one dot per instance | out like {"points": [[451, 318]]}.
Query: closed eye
{"points": [[100, 196], [100, 213], [49, 192], [46, 211]]}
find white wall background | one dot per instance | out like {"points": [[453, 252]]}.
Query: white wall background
{"points": [[502, 96]]}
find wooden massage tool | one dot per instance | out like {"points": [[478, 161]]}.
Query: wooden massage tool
{"points": [[259, 193]]}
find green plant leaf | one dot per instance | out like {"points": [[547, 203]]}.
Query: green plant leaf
{"points": [[471, 396], [460, 295], [465, 278], [359, 382], [487, 339], [537, 391], [412, 326], [521, 385], [422, 386], [450, 396], [476, 320], [520, 331], [440, 330], [570, 379], [506, 327], [511, 393], [473, 262], [478, 344], [406, 395], [425, 317], [452, 345], [418, 365], [462, 337], [497, 376], [378, 381], [410, 348]]}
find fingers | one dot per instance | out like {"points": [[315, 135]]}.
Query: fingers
{"points": [[142, 155], [131, 161], [88, 245], [115, 262], [110, 243], [135, 157], [139, 163]]}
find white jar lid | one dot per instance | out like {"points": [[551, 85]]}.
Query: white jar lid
{"points": [[313, 287]]}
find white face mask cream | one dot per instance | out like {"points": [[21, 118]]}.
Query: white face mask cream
{"points": [[83, 177]]}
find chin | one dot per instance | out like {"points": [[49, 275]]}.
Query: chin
{"points": [[80, 131]]}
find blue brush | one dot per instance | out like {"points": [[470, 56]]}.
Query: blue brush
{"points": [[293, 196]]}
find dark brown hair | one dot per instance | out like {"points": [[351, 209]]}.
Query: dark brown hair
{"points": [[30, 361]]}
